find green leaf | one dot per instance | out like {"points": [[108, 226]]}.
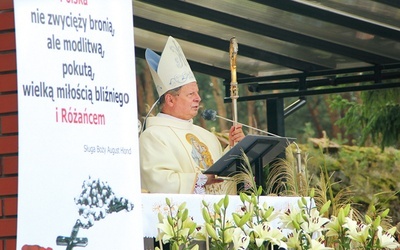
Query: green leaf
{"points": [[244, 197], [236, 219], [376, 222], [226, 201], [160, 217], [182, 206], [312, 192], [325, 207], [259, 191], [268, 212], [185, 214], [245, 218], [206, 215], [300, 203], [385, 213], [170, 221], [217, 208], [211, 231], [368, 219]]}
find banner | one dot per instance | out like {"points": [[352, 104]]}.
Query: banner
{"points": [[79, 180]]}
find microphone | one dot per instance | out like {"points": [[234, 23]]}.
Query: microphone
{"points": [[210, 114]]}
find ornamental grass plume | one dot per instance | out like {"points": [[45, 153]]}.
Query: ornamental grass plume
{"points": [[286, 178]]}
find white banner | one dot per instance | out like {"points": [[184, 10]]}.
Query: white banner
{"points": [[79, 181]]}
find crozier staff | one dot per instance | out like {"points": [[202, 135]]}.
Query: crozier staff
{"points": [[173, 151]]}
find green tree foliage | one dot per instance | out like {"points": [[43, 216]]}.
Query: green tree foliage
{"points": [[365, 118], [368, 172], [376, 117]]}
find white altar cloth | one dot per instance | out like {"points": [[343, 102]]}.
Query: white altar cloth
{"points": [[152, 204]]}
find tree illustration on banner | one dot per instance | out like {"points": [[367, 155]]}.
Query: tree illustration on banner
{"points": [[95, 202]]}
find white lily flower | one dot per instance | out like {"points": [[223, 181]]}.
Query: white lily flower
{"points": [[264, 208], [293, 241], [315, 222], [386, 240], [167, 232], [290, 217], [229, 230], [200, 233], [357, 231], [334, 228], [316, 245], [240, 239], [264, 232]]}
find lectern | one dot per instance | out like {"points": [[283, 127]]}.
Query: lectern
{"points": [[259, 149]]}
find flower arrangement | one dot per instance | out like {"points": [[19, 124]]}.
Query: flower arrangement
{"points": [[177, 228], [316, 222], [258, 226]]}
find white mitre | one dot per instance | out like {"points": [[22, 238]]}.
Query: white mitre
{"points": [[171, 69]]}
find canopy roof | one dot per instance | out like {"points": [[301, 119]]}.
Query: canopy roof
{"points": [[283, 44]]}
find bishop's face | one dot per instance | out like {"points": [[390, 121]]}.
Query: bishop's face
{"points": [[185, 105]]}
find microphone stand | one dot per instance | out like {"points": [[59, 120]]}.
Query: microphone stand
{"points": [[247, 126]]}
